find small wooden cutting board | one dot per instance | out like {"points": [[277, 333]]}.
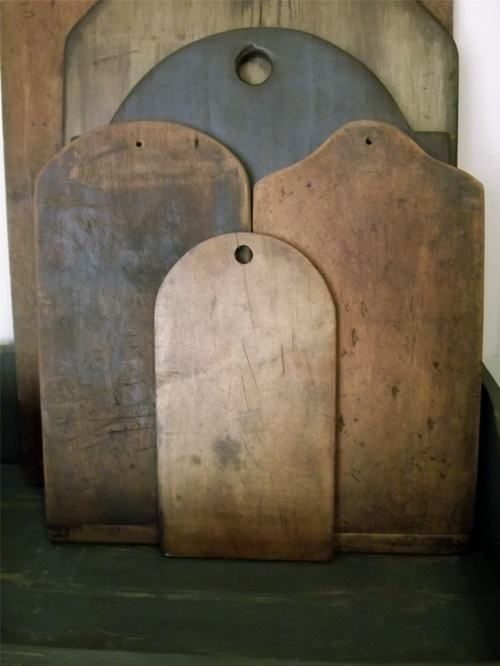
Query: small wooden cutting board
{"points": [[398, 238], [245, 403], [313, 88], [115, 210]]}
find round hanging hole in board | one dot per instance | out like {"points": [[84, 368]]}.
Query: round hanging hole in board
{"points": [[138, 144], [243, 254], [368, 141], [253, 66]]}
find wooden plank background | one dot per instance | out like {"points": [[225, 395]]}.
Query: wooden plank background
{"points": [[398, 40], [32, 41]]}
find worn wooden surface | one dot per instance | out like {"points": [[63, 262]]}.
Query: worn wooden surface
{"points": [[442, 10], [382, 609], [398, 237], [115, 210], [399, 40], [32, 42], [314, 88], [245, 403], [33, 34]]}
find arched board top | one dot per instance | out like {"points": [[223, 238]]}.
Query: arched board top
{"points": [[117, 43], [372, 141], [313, 88], [245, 402], [115, 210], [398, 236], [137, 154]]}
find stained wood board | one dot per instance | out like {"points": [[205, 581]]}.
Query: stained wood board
{"points": [[33, 34], [398, 238], [32, 57], [245, 386], [400, 41], [307, 88], [115, 210], [442, 10]]}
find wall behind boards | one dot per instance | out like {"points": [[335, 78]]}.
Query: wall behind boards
{"points": [[476, 29]]}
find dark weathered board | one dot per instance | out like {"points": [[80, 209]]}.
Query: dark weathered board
{"points": [[245, 355], [398, 237], [115, 210], [314, 88], [33, 34]]}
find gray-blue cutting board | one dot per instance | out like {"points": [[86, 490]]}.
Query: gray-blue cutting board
{"points": [[314, 89]]}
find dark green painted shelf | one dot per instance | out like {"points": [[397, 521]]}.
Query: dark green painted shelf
{"points": [[97, 604]]}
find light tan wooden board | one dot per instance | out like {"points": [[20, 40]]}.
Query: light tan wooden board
{"points": [[115, 210], [118, 42], [398, 237], [245, 386]]}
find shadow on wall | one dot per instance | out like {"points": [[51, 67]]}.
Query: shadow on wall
{"points": [[10, 440], [487, 523]]}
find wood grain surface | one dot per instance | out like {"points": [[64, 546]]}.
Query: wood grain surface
{"points": [[312, 89], [398, 40], [245, 383], [32, 40], [115, 210], [33, 34], [398, 238], [442, 10]]}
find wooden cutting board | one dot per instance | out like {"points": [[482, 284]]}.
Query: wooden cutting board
{"points": [[117, 43], [313, 88], [245, 384], [398, 238], [115, 210]]}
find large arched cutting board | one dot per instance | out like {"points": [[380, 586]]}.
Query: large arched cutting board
{"points": [[398, 237], [115, 210], [314, 88], [118, 42], [245, 383]]}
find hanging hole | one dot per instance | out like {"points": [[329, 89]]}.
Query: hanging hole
{"points": [[368, 141], [253, 66], [138, 144], [243, 254]]}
